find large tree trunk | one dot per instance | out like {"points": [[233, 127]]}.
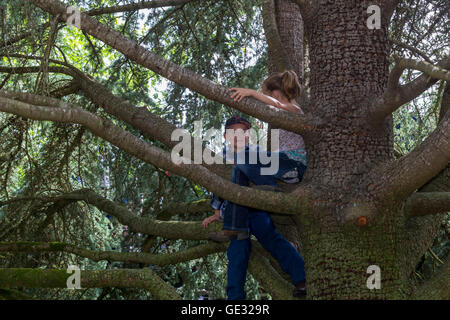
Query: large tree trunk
{"points": [[349, 62]]}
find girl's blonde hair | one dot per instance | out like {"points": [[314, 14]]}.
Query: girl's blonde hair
{"points": [[287, 82]]}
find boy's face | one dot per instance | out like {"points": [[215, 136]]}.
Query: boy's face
{"points": [[236, 135]]}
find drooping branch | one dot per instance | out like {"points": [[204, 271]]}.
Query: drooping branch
{"points": [[302, 124], [187, 230], [23, 70], [438, 287], [99, 11], [258, 265], [397, 95], [121, 278], [161, 259], [148, 123], [275, 46], [101, 127], [424, 203], [22, 36], [42, 82]]}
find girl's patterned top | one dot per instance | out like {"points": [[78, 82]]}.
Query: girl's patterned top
{"points": [[292, 144]]}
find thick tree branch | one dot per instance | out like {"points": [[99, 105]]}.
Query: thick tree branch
{"points": [[438, 287], [23, 70], [149, 124], [275, 46], [301, 124], [22, 36], [101, 127], [421, 230], [268, 277], [162, 259], [397, 179], [260, 267], [424, 203], [187, 230], [395, 96], [124, 278], [184, 208]]}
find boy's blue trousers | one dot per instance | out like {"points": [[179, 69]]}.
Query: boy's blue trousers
{"points": [[239, 253]]}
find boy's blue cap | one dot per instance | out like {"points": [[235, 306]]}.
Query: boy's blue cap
{"points": [[236, 120]]}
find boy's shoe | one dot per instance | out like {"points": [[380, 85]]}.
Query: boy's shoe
{"points": [[227, 235], [266, 187], [300, 290]]}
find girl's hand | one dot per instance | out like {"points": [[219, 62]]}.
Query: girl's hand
{"points": [[240, 93], [210, 219]]}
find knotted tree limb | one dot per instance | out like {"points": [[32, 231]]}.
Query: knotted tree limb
{"points": [[301, 124], [162, 259], [265, 200], [124, 278], [424, 203], [22, 70]]}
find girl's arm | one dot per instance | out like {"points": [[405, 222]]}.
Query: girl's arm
{"points": [[240, 93], [212, 218]]}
